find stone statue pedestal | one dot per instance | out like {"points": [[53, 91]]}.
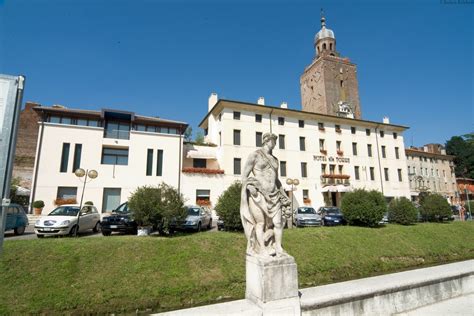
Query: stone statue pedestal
{"points": [[272, 284]]}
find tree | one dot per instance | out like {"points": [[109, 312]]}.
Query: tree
{"points": [[463, 148], [188, 133], [434, 208], [199, 138], [402, 211], [228, 207], [157, 206], [361, 207]]}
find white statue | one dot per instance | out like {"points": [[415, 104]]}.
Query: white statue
{"points": [[264, 203]]}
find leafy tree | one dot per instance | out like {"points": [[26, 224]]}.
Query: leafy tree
{"points": [[402, 211], [434, 208], [157, 206], [199, 138], [228, 207], [365, 208], [463, 148], [188, 133]]}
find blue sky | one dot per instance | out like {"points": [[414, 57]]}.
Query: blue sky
{"points": [[164, 58]]}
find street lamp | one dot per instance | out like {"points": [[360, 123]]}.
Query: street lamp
{"points": [[293, 183], [91, 174]]}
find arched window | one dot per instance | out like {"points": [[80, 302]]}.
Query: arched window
{"points": [[324, 46], [330, 46]]}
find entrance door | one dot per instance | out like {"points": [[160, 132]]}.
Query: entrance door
{"points": [[334, 198], [111, 199]]}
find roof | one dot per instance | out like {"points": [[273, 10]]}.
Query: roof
{"points": [[222, 103], [61, 110], [417, 152]]}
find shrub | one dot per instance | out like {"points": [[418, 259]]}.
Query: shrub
{"points": [[228, 207], [89, 203], [157, 206], [38, 204], [402, 211], [365, 208], [435, 208]]}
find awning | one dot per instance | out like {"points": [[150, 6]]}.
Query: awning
{"points": [[336, 188]]}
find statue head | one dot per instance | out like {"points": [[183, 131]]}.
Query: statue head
{"points": [[269, 139]]}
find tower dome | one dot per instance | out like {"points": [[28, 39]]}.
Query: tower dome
{"points": [[323, 32], [324, 40]]}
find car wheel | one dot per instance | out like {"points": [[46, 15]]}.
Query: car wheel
{"points": [[199, 227], [96, 228], [39, 236], [106, 232], [74, 231], [19, 230], [210, 224]]}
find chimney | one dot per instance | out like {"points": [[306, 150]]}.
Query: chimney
{"points": [[30, 105], [443, 151], [425, 148], [386, 120], [284, 105], [261, 101], [212, 101]]}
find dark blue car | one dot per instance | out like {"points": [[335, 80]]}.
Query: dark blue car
{"points": [[16, 219], [331, 216]]}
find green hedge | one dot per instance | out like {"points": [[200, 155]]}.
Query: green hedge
{"points": [[435, 208], [402, 211], [365, 208], [228, 207]]}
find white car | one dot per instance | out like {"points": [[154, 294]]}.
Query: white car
{"points": [[63, 221]]}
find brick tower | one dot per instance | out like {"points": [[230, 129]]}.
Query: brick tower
{"points": [[329, 84]]}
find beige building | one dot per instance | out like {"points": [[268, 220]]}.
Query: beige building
{"points": [[431, 170]]}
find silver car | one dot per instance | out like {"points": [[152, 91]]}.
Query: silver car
{"points": [[198, 218], [306, 216], [63, 221]]}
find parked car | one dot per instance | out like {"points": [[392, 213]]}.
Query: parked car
{"points": [[120, 220], [197, 219], [63, 221], [306, 216], [16, 219], [384, 219], [331, 216]]}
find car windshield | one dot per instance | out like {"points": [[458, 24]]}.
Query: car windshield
{"points": [[332, 210], [306, 210], [65, 211], [193, 211], [122, 209]]}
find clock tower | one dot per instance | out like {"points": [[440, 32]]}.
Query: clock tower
{"points": [[329, 84]]}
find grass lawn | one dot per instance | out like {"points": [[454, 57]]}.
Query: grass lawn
{"points": [[128, 273]]}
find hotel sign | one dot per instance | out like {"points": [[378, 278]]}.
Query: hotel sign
{"points": [[332, 159]]}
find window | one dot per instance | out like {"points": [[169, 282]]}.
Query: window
{"points": [[159, 162], [258, 118], [367, 131], [382, 133], [116, 129], [321, 126], [397, 154], [369, 150], [114, 156], [323, 168], [340, 167], [338, 145], [353, 130], [281, 141], [203, 196], [302, 144], [64, 157], [236, 115], [305, 194], [354, 149], [140, 127], [385, 171], [237, 162], [283, 168], [281, 121], [372, 173], [301, 123], [395, 135], [304, 173], [384, 154], [399, 174], [236, 137], [332, 169], [199, 163], [321, 144], [258, 139], [54, 119], [356, 172], [338, 128], [67, 193], [149, 162], [77, 157]]}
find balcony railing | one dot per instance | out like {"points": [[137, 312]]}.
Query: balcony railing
{"points": [[202, 170]]}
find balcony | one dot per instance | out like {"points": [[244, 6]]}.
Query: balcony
{"points": [[202, 170]]}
